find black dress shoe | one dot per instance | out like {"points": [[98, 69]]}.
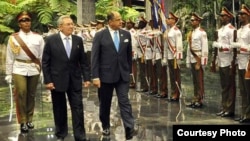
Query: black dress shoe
{"points": [[220, 113], [60, 139], [30, 125], [173, 99], [191, 105], [130, 133], [24, 128], [245, 120], [106, 132], [227, 114], [197, 105], [238, 119], [153, 93], [143, 90], [162, 96]]}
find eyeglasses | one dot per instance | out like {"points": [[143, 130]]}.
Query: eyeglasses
{"points": [[170, 18], [192, 20], [25, 20]]}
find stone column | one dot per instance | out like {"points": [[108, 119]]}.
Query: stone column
{"points": [[85, 11]]}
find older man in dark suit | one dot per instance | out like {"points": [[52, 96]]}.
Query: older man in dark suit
{"points": [[111, 66], [65, 67]]}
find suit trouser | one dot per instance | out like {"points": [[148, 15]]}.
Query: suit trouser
{"points": [[25, 90], [105, 94], [228, 93], [198, 83], [59, 102]]}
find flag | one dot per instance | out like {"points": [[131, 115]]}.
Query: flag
{"points": [[154, 13], [162, 15]]}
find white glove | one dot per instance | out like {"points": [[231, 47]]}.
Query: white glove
{"points": [[203, 67], [8, 78], [188, 65], [235, 45], [216, 45], [178, 61], [164, 62], [134, 56]]}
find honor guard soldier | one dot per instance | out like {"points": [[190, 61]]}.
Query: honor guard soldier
{"points": [[224, 58], [100, 25], [197, 57], [24, 52], [174, 50], [142, 42], [130, 27], [243, 46]]}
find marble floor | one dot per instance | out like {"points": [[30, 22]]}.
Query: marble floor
{"points": [[154, 117]]}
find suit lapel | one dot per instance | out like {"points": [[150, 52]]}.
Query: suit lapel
{"points": [[59, 41]]}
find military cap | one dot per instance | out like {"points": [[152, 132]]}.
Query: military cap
{"points": [[143, 19], [172, 15], [23, 15], [130, 21], [86, 25], [99, 21], [195, 16], [93, 23], [245, 9], [226, 12]]}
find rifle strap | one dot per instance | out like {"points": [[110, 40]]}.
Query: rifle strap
{"points": [[27, 51]]}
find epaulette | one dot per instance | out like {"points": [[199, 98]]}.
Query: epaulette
{"points": [[176, 28], [201, 29], [14, 33], [231, 26]]}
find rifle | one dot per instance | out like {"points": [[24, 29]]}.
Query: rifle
{"points": [[233, 66], [215, 53]]}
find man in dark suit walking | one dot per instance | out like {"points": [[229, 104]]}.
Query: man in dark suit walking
{"points": [[111, 66], [65, 67]]}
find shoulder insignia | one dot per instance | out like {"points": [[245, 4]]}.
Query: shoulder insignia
{"points": [[231, 26], [15, 33], [176, 28]]}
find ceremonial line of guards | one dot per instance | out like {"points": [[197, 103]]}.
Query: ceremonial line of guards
{"points": [[157, 54]]}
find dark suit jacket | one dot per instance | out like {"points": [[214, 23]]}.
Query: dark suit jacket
{"points": [[61, 70], [108, 64]]}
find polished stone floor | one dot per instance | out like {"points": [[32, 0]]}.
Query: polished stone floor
{"points": [[154, 117]]}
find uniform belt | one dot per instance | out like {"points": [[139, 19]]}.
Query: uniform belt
{"points": [[196, 50], [24, 61]]}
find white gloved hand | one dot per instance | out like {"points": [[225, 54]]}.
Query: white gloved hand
{"points": [[216, 45], [178, 61], [164, 62], [203, 67], [8, 78], [188, 65], [134, 55], [235, 45]]}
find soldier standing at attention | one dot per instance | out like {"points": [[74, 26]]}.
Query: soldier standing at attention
{"points": [[225, 57], [174, 54], [243, 47], [24, 69], [197, 57]]}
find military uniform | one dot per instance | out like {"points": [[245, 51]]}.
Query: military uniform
{"points": [[24, 71], [224, 59], [243, 46], [174, 54], [197, 57]]}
